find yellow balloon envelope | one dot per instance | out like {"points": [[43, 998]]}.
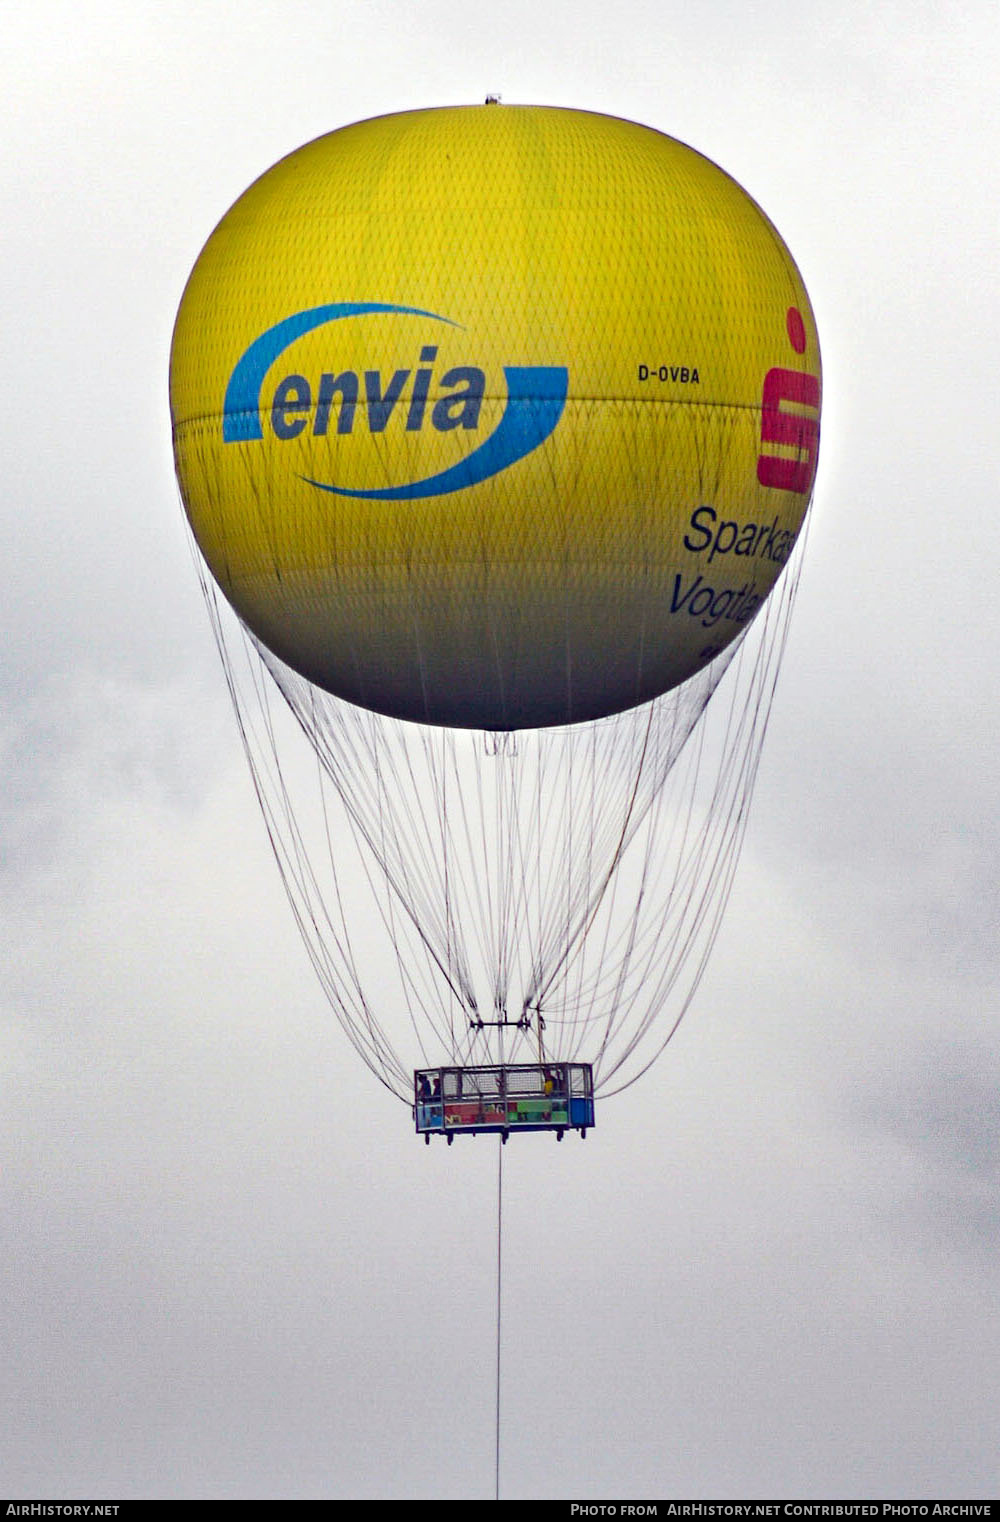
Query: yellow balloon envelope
{"points": [[495, 416]]}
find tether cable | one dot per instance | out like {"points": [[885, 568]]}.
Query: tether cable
{"points": [[499, 1268]]}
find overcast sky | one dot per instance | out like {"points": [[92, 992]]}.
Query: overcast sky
{"points": [[229, 1268]]}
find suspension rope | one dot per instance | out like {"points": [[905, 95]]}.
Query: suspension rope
{"points": [[572, 876]]}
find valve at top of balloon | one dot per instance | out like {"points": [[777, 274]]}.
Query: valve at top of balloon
{"points": [[495, 417]]}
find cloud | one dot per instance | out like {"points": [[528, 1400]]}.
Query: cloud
{"points": [[936, 1119], [232, 1268]]}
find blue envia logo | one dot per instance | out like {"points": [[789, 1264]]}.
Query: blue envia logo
{"points": [[536, 395]]}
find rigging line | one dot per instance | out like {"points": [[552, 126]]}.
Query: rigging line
{"points": [[331, 855], [581, 929], [650, 752], [544, 811], [762, 708], [473, 863], [367, 760], [319, 952], [437, 770], [578, 1012], [516, 774], [507, 772], [528, 844], [283, 850], [582, 1007], [526, 785], [417, 874], [623, 957], [503, 807], [335, 880], [309, 906], [713, 865], [392, 869], [504, 770], [642, 949], [497, 970], [418, 821], [455, 762], [314, 900]]}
